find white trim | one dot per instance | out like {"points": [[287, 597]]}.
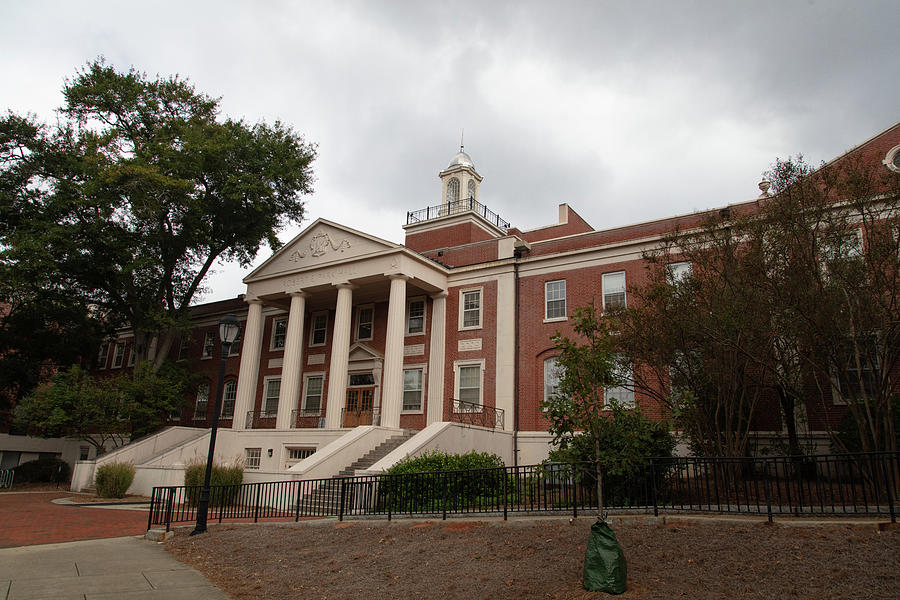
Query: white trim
{"points": [[461, 311], [234, 406], [890, 159], [359, 310], [424, 302], [306, 378], [557, 369], [209, 335], [459, 364], [623, 291], [424, 369], [547, 301], [103, 355], [263, 413], [117, 356], [312, 328], [199, 416], [275, 322]]}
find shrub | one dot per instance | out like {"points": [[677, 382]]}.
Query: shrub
{"points": [[41, 470], [224, 482], [114, 479]]}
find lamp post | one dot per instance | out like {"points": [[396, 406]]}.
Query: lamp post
{"points": [[229, 328]]}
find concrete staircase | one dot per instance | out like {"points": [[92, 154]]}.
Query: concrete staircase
{"points": [[325, 498]]}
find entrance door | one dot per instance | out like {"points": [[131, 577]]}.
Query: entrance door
{"points": [[359, 406]]}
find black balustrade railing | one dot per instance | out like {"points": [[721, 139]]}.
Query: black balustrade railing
{"points": [[364, 416], [307, 418], [457, 207], [261, 419], [825, 485], [469, 413]]}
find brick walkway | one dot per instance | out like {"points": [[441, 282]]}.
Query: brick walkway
{"points": [[31, 518]]}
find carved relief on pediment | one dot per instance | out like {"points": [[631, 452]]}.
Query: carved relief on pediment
{"points": [[319, 245]]}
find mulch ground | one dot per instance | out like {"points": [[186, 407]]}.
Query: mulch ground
{"points": [[542, 559], [29, 518]]}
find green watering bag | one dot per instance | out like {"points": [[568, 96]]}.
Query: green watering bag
{"points": [[604, 561]]}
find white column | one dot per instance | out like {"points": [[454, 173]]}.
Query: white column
{"points": [[293, 361], [392, 380], [246, 384], [435, 413], [340, 348]]}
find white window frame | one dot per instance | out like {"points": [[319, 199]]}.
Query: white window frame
{"points": [[272, 338], [184, 346], [412, 411], [624, 393], [409, 303], [118, 355], [624, 290], [457, 369], [200, 414], [548, 300], [252, 458], [235, 348], [225, 385], [677, 272], [306, 377], [209, 345], [359, 322], [462, 309], [551, 369], [103, 356], [263, 407], [312, 329]]}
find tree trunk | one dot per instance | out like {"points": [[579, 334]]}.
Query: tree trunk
{"points": [[599, 479]]}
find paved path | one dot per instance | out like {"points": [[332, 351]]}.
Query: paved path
{"points": [[129, 568], [32, 518]]}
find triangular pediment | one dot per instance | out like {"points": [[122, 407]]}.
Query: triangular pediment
{"points": [[322, 243], [361, 352]]}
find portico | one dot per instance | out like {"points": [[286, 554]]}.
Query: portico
{"points": [[333, 284]]}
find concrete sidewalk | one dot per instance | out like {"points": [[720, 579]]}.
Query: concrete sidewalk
{"points": [[125, 567]]}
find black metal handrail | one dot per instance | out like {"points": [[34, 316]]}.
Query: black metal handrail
{"points": [[823, 485], [305, 413], [457, 207], [358, 417], [261, 419], [470, 413]]}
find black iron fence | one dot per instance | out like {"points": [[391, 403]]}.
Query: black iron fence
{"points": [[825, 485], [456, 207], [469, 413]]}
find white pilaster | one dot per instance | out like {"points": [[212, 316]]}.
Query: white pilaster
{"points": [[293, 361], [392, 380], [246, 384], [340, 348], [506, 343], [435, 413]]}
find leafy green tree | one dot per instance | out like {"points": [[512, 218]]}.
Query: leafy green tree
{"points": [[139, 187], [104, 412], [587, 365]]}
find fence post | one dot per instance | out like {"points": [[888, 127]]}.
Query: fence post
{"points": [[343, 491], [390, 484], [256, 503], [653, 488], [169, 507], [154, 502], [505, 498], [890, 491], [768, 498], [444, 495]]}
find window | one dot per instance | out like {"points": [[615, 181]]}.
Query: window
{"points": [[312, 398], [270, 402], [412, 389], [131, 355], [319, 329], [358, 379], [470, 315], [468, 386], [678, 272], [279, 333], [613, 290], [202, 401], [623, 394], [452, 190], [209, 343], [251, 458], [555, 300], [552, 374], [235, 347], [298, 454], [858, 373], [365, 319], [119, 355], [415, 317], [102, 355], [84, 452], [471, 190], [228, 396], [184, 347]]}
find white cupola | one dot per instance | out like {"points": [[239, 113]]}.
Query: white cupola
{"points": [[460, 180]]}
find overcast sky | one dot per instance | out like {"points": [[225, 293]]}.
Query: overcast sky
{"points": [[627, 111]]}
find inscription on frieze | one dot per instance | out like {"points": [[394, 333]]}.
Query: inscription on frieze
{"points": [[334, 275]]}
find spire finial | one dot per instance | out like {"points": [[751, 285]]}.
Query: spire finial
{"points": [[462, 137]]}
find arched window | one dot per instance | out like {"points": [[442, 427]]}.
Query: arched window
{"points": [[552, 372], [471, 188], [452, 190], [228, 397]]}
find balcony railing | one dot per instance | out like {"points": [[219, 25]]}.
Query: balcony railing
{"points": [[355, 418], [469, 413], [458, 207], [307, 418], [261, 419]]}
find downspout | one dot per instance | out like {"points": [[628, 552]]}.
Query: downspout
{"points": [[517, 254]]}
